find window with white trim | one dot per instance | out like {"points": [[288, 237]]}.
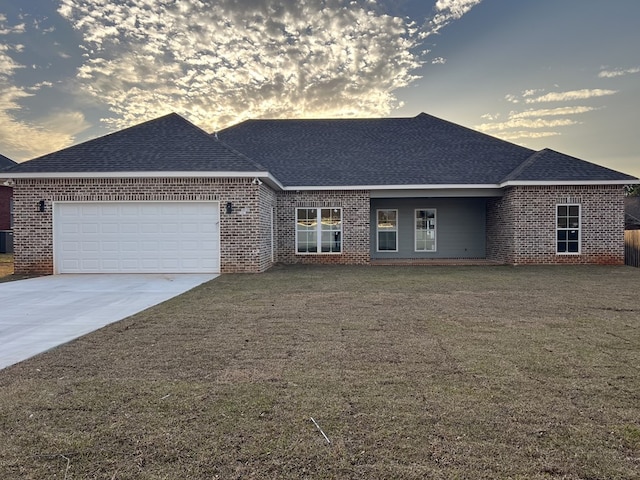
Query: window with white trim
{"points": [[387, 230], [568, 234], [319, 230], [425, 230]]}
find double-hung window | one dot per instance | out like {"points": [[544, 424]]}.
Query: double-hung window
{"points": [[318, 230], [568, 229], [387, 230], [425, 229]]}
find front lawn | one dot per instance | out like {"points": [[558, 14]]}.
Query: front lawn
{"points": [[410, 372]]}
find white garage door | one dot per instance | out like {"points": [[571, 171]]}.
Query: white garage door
{"points": [[136, 237]]}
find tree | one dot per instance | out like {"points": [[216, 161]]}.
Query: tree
{"points": [[632, 190]]}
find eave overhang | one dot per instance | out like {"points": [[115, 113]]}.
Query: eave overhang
{"points": [[265, 177]]}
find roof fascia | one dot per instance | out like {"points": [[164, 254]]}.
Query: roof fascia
{"points": [[262, 176], [389, 187], [527, 183]]}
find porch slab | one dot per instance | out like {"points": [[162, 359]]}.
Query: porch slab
{"points": [[435, 261]]}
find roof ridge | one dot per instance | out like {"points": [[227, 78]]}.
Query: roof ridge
{"points": [[525, 164], [236, 152]]}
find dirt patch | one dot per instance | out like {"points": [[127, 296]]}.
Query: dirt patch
{"points": [[410, 372]]}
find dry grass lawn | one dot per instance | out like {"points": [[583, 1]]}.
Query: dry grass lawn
{"points": [[6, 264], [6, 270], [411, 372]]}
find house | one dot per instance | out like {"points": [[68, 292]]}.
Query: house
{"points": [[6, 194], [632, 213], [165, 196]]}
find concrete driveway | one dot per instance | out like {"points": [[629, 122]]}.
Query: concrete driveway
{"points": [[40, 313]]}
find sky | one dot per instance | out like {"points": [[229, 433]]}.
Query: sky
{"points": [[559, 74]]}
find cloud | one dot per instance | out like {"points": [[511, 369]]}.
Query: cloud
{"points": [[618, 72], [526, 134], [571, 95], [221, 63], [21, 140], [525, 123], [552, 112], [446, 12], [532, 123]]}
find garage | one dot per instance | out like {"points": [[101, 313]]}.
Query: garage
{"points": [[136, 237]]}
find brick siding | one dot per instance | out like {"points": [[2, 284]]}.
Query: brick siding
{"points": [[355, 226], [245, 238], [521, 225], [5, 208]]}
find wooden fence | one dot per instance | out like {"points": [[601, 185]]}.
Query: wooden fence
{"points": [[632, 247]]}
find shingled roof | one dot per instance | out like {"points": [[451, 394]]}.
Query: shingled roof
{"points": [[166, 144], [342, 153], [423, 150], [5, 162]]}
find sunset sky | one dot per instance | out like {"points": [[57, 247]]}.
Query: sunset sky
{"points": [[563, 74]]}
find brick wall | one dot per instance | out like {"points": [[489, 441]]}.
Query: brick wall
{"points": [[521, 226], [245, 245], [5, 211], [355, 226]]}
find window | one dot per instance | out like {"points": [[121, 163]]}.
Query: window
{"points": [[425, 226], [318, 230], [568, 229], [387, 230]]}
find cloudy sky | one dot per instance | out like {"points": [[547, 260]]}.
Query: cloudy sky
{"points": [[563, 74]]}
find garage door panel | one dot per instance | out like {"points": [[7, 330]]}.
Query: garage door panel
{"points": [[140, 237]]}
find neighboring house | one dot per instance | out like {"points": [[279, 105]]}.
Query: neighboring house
{"points": [[164, 196], [6, 195], [632, 213]]}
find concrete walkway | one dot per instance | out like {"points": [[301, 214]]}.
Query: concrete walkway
{"points": [[40, 313]]}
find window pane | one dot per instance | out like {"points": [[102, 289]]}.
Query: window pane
{"points": [[568, 229], [387, 219], [309, 230], [425, 232], [330, 242], [386, 240], [307, 242]]}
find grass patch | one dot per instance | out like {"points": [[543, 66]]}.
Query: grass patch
{"points": [[412, 372], [6, 264], [6, 269]]}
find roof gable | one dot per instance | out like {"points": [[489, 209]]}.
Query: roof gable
{"points": [[166, 144]]}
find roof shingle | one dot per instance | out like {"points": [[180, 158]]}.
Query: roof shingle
{"points": [[166, 144], [423, 150], [5, 162]]}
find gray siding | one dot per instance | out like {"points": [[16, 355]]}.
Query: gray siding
{"points": [[460, 227]]}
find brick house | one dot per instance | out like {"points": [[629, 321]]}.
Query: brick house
{"points": [[165, 196], [6, 199]]}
